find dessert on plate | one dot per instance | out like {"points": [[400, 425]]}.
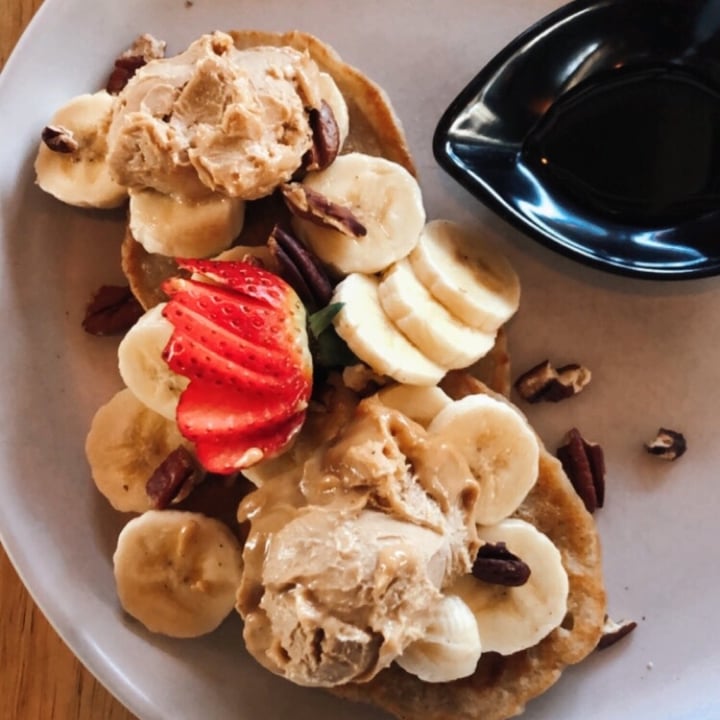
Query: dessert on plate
{"points": [[314, 429]]}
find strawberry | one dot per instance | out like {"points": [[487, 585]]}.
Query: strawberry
{"points": [[239, 337]]}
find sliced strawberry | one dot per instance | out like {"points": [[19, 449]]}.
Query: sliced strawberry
{"points": [[241, 340], [225, 455], [253, 321], [250, 280], [236, 349], [196, 361], [217, 412]]}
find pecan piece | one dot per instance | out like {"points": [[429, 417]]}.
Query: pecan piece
{"points": [[112, 310], [173, 479], [289, 271], [302, 265], [668, 444], [123, 69], [584, 464], [59, 139], [313, 206], [142, 51], [613, 631], [544, 382], [326, 138], [495, 564]]}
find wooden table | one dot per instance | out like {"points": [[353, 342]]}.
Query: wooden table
{"points": [[40, 679]]}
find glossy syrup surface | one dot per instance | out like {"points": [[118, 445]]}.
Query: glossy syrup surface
{"points": [[641, 144]]}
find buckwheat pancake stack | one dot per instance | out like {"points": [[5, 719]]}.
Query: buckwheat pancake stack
{"points": [[501, 685]]}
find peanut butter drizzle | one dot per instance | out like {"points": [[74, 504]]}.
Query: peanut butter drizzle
{"points": [[348, 553]]}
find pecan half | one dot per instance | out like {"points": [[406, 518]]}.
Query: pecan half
{"points": [[59, 139], [313, 206], [613, 631], [173, 479], [112, 310], [544, 382], [668, 444], [290, 272], [299, 265], [584, 464], [123, 69], [495, 564], [142, 51], [326, 138]]}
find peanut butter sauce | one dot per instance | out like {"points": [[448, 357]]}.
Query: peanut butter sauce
{"points": [[348, 554]]}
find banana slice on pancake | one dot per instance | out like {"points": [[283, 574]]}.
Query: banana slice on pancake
{"points": [[369, 333], [510, 619], [441, 336], [499, 446], [451, 647], [185, 228], [127, 441], [143, 368], [472, 279], [381, 196]]}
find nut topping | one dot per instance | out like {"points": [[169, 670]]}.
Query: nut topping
{"points": [[668, 444], [495, 564], [112, 310], [584, 464], [142, 51], [300, 268], [314, 206], [544, 382], [326, 138], [173, 479], [59, 139], [614, 631]]}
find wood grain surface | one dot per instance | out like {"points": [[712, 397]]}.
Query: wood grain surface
{"points": [[40, 678]]}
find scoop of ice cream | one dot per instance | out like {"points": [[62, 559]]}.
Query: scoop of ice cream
{"points": [[215, 118], [344, 570], [347, 592]]}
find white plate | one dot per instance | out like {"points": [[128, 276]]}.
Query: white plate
{"points": [[654, 350]]}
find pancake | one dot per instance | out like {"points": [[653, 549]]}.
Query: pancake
{"points": [[501, 686], [374, 130]]}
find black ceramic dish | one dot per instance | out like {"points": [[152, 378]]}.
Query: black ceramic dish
{"points": [[597, 132]]}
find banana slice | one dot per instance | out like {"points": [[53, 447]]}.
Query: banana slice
{"points": [[383, 196], [500, 448], [330, 93], [451, 647], [175, 227], [420, 403], [126, 443], [426, 323], [474, 281], [81, 177], [177, 572], [364, 326], [515, 618], [142, 367]]}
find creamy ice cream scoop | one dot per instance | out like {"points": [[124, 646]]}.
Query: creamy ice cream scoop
{"points": [[215, 118], [346, 564]]}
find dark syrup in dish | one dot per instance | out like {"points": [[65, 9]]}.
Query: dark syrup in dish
{"points": [[641, 144]]}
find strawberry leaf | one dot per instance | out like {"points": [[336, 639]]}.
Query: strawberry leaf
{"points": [[322, 319], [328, 348]]}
